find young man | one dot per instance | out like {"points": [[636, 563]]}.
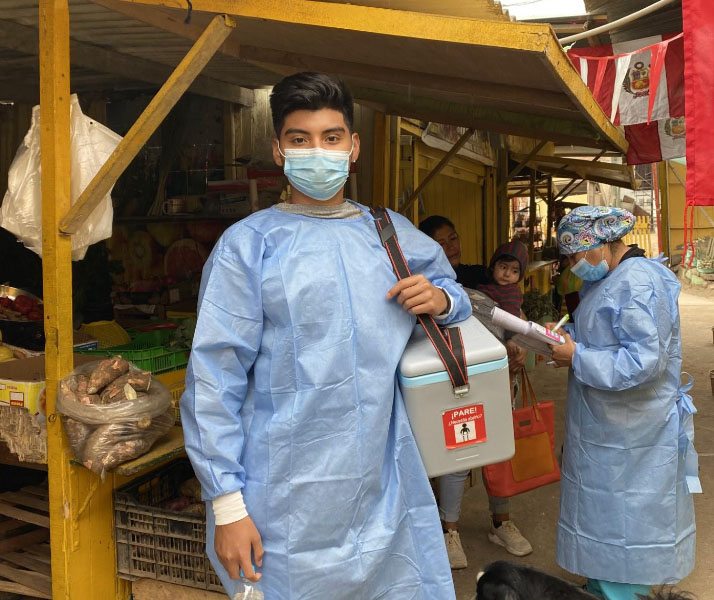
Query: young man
{"points": [[292, 416]]}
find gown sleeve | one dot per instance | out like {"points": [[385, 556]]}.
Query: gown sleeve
{"points": [[638, 319], [226, 342], [425, 257]]}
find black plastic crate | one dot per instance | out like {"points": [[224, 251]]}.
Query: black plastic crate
{"points": [[155, 543]]}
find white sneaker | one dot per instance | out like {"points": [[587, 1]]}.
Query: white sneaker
{"points": [[508, 536], [457, 558]]}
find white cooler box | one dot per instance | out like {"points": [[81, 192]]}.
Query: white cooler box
{"points": [[458, 433]]}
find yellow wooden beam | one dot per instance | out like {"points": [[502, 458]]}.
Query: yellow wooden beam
{"points": [[170, 20], [532, 37], [454, 172], [166, 98], [458, 162], [521, 165], [437, 169], [415, 180]]}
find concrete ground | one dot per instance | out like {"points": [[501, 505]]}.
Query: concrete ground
{"points": [[536, 512]]}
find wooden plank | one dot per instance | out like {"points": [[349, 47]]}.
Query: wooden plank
{"points": [[167, 448], [521, 165], [24, 39], [146, 124], [25, 559], [26, 500], [33, 580], [41, 552], [16, 588], [10, 525], [24, 515], [22, 541], [42, 492]]}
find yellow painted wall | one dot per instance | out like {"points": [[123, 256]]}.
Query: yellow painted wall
{"points": [[702, 226], [462, 203]]}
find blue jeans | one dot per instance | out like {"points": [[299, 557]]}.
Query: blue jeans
{"points": [[451, 492], [617, 591]]}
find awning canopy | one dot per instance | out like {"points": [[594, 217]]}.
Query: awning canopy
{"points": [[602, 172], [493, 75]]}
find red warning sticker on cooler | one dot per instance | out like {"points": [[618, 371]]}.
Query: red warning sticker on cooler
{"points": [[464, 426]]}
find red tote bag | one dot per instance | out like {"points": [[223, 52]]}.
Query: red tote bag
{"points": [[534, 464]]}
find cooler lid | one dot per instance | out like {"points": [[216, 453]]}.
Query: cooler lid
{"points": [[420, 357]]}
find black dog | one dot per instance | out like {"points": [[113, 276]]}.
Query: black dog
{"points": [[503, 580]]}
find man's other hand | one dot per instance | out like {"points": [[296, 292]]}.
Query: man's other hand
{"points": [[234, 543], [418, 296]]}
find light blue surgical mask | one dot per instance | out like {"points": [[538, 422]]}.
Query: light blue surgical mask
{"points": [[316, 172], [588, 272]]}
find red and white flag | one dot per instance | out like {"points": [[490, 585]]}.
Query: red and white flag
{"points": [[640, 85]]}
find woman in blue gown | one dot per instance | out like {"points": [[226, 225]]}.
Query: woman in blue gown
{"points": [[629, 467]]}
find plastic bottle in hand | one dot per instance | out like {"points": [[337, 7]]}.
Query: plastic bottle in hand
{"points": [[247, 590]]}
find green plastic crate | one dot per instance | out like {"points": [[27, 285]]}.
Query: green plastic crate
{"points": [[148, 352]]}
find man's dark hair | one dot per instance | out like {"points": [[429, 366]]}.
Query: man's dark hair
{"points": [[310, 91], [431, 224]]}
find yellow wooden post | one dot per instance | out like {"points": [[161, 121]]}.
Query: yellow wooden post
{"points": [[664, 222], [504, 203], [380, 179], [395, 159], [83, 563], [532, 216], [57, 261], [490, 200], [415, 180]]}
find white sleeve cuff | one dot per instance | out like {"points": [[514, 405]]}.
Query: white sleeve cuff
{"points": [[451, 305], [229, 508]]}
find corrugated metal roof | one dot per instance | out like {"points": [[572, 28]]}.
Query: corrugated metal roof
{"points": [[666, 20]]}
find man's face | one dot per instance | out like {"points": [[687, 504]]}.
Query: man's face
{"points": [[448, 239], [324, 128], [506, 272]]}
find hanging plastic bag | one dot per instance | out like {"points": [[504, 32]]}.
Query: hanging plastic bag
{"points": [[112, 412], [21, 212]]}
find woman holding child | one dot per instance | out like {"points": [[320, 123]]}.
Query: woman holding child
{"points": [[499, 281]]}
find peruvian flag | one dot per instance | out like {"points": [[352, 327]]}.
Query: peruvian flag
{"points": [[640, 85]]}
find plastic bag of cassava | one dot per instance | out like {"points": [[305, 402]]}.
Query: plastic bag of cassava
{"points": [[112, 412]]}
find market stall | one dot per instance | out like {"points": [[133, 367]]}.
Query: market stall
{"points": [[515, 80]]}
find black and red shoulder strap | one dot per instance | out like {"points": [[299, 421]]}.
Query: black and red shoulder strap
{"points": [[447, 341]]}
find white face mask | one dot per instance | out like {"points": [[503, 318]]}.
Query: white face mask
{"points": [[317, 173]]}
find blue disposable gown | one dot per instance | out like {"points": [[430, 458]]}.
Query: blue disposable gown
{"points": [[626, 511], [291, 397]]}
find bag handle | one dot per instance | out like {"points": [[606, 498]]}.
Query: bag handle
{"points": [[448, 342], [528, 389]]}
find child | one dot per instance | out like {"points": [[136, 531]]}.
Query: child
{"points": [[506, 269]]}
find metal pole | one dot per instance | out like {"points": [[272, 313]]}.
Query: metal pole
{"points": [[618, 23], [532, 216]]}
